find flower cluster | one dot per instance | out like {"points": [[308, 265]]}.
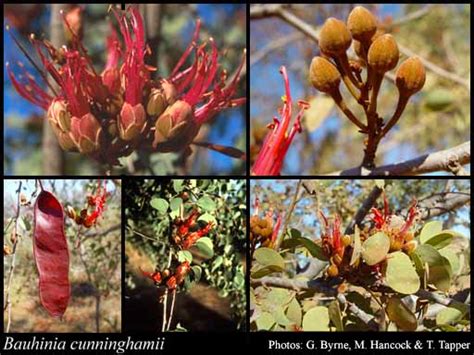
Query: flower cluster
{"points": [[334, 244], [263, 230], [166, 277], [270, 159], [378, 53], [188, 231], [95, 207], [110, 114]]}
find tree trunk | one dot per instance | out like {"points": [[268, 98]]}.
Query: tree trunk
{"points": [[53, 156]]}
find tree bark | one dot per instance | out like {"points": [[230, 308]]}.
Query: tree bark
{"points": [[53, 156]]}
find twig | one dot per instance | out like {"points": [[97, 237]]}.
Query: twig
{"points": [[427, 163], [364, 209], [415, 15], [171, 310], [274, 45], [359, 313], [165, 298], [288, 216], [436, 205], [8, 303]]}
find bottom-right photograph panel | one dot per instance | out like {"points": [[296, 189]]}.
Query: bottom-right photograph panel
{"points": [[360, 255]]}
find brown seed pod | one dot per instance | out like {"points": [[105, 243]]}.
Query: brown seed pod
{"points": [[362, 24], [383, 54], [334, 37], [324, 75], [411, 76]]}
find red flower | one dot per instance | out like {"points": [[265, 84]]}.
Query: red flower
{"points": [[270, 158], [98, 202]]}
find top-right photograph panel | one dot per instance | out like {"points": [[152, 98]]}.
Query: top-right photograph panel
{"points": [[346, 90]]}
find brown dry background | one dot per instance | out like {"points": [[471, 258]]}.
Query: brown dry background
{"points": [[28, 315]]}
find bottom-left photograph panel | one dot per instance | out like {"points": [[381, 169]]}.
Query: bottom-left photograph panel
{"points": [[62, 256]]}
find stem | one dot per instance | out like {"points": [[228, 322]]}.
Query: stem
{"points": [[347, 81], [165, 298], [288, 216], [346, 70], [402, 102], [336, 95], [8, 303], [376, 82], [171, 310]]}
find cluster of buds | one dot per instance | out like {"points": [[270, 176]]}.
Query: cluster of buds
{"points": [[110, 114], [378, 53], [187, 231], [276, 143], [334, 245], [95, 207], [263, 230], [396, 227], [171, 279]]}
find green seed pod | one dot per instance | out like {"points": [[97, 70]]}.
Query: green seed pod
{"points": [[411, 76], [324, 75], [362, 24], [334, 38]]}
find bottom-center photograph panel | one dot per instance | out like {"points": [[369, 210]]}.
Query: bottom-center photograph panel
{"points": [[185, 255]]}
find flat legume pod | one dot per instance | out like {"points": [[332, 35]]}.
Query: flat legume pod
{"points": [[51, 254]]}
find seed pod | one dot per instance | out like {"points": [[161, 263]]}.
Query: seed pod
{"points": [[383, 54], [334, 37], [411, 76], [51, 254], [324, 75], [362, 24]]}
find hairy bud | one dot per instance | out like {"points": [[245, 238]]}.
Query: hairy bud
{"points": [[334, 37], [131, 121], [362, 24], [383, 54], [324, 75], [411, 76]]}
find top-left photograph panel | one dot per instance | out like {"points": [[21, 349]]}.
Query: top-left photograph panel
{"points": [[148, 89]]}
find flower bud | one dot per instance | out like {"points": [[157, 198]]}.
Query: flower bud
{"points": [[175, 128], [324, 75], [111, 79], [362, 24], [411, 76], [156, 102], [169, 90], [334, 37], [71, 212], [64, 139], [383, 54], [132, 121], [86, 132], [346, 240], [332, 270], [59, 115]]}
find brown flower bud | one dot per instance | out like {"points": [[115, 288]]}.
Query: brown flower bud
{"points": [[132, 121], [346, 240], [86, 132], [324, 75], [71, 212], [84, 213], [6, 250], [79, 220], [383, 54], [59, 115], [411, 76], [334, 37], [362, 24], [332, 270], [156, 102]]}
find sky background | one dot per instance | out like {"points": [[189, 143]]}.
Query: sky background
{"points": [[228, 125]]}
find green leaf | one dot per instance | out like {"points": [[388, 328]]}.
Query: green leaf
{"points": [[205, 246], [380, 183], [159, 204], [314, 249], [400, 314], [265, 321], [400, 273], [175, 203], [439, 99], [316, 320], [207, 217], [26, 224], [439, 273], [452, 258], [206, 203], [280, 317], [294, 233], [294, 312], [357, 248], [258, 273], [178, 185], [449, 315], [185, 255], [197, 272], [269, 257], [429, 230], [375, 248], [335, 315], [279, 297], [216, 263]]}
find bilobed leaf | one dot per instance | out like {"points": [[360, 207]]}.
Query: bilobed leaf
{"points": [[265, 321], [279, 297], [449, 315], [216, 263], [357, 247], [429, 230], [175, 204], [185, 255], [400, 274], [206, 203], [294, 312], [207, 217], [159, 204], [197, 272], [178, 185], [205, 246], [280, 317], [267, 257], [452, 258], [439, 267], [260, 272], [316, 320], [400, 314], [375, 248]]}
